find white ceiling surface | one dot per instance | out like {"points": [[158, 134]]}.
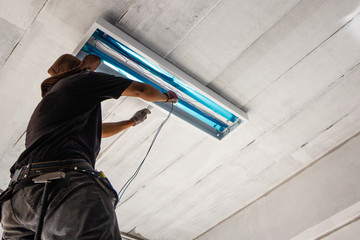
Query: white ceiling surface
{"points": [[291, 64]]}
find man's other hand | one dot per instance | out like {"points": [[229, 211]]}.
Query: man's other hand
{"points": [[140, 116]]}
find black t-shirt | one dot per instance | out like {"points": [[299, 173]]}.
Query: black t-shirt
{"points": [[66, 124]]}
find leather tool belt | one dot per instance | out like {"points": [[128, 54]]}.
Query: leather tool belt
{"points": [[40, 168], [42, 171]]}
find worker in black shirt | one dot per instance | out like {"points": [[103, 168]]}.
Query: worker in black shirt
{"points": [[54, 192]]}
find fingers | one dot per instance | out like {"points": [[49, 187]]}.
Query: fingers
{"points": [[145, 111], [172, 97], [140, 116]]}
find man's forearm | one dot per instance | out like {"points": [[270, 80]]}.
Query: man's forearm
{"points": [[110, 129], [145, 91], [152, 94]]}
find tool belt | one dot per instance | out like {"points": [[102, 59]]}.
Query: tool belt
{"points": [[42, 172], [34, 172], [39, 168]]}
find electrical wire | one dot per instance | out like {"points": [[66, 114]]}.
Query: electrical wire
{"points": [[126, 185]]}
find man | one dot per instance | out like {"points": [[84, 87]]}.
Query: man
{"points": [[54, 190]]}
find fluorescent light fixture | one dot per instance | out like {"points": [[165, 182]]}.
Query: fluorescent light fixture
{"points": [[198, 105]]}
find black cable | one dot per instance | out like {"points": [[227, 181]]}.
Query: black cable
{"points": [[126, 185]]}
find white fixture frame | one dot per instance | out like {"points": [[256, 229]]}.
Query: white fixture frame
{"points": [[139, 48]]}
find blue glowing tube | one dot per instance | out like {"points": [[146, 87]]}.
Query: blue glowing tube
{"points": [[143, 62], [127, 72]]}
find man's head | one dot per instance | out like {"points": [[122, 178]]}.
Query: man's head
{"points": [[67, 65]]}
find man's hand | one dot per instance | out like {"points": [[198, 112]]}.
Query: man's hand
{"points": [[172, 97], [110, 129], [140, 116]]}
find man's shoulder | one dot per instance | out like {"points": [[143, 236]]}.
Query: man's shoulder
{"points": [[98, 74], [105, 77]]}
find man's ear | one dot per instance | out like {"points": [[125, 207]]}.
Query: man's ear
{"points": [[91, 62]]}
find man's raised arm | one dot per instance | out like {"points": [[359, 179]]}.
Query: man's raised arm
{"points": [[145, 92]]}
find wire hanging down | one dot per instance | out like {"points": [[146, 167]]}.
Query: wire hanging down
{"points": [[126, 185]]}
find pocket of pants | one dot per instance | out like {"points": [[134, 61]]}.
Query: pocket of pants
{"points": [[107, 187], [58, 193], [32, 195]]}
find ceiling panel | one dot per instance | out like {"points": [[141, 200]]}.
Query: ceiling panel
{"points": [[10, 35], [303, 29], [224, 34], [162, 25], [293, 64], [22, 12]]}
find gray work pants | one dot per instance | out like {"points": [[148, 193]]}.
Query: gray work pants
{"points": [[79, 207]]}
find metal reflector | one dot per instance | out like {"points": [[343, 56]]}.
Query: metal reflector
{"points": [[198, 105]]}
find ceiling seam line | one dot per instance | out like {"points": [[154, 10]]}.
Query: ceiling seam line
{"points": [[339, 228], [16, 142], [191, 30], [294, 114], [22, 36], [307, 103], [103, 153], [202, 140], [255, 41], [123, 15], [285, 181], [290, 116], [303, 145], [110, 146], [302, 59], [117, 104]]}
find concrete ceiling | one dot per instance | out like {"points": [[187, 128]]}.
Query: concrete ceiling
{"points": [[292, 65]]}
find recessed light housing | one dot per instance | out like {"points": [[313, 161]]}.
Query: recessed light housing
{"points": [[198, 105]]}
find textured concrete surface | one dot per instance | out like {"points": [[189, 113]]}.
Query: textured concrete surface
{"points": [[314, 204], [292, 65]]}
